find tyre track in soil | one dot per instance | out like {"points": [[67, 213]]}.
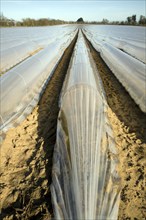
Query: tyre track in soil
{"points": [[129, 127], [26, 155]]}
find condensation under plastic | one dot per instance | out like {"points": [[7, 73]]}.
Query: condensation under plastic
{"points": [[21, 87], [85, 183], [128, 70]]}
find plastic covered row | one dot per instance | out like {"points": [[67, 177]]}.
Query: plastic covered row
{"points": [[22, 85], [128, 70], [14, 50], [85, 183], [129, 33], [11, 37], [11, 56], [136, 48]]}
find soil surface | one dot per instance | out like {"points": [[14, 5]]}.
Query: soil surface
{"points": [[26, 153]]}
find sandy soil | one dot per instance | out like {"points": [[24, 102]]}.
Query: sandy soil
{"points": [[26, 155], [129, 126]]}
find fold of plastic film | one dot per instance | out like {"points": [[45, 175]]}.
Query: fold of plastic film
{"points": [[85, 183]]}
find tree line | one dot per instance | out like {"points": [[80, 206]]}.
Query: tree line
{"points": [[29, 22], [129, 21]]}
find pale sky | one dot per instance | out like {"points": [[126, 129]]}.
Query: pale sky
{"points": [[71, 10]]}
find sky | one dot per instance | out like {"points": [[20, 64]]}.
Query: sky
{"points": [[96, 10]]}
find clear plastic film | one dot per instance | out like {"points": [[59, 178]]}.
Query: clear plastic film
{"points": [[129, 39], [134, 50], [21, 87], [128, 70], [85, 183], [14, 55], [19, 43]]}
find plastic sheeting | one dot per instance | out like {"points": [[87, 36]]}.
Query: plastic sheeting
{"points": [[134, 50], [19, 43], [128, 70], [135, 45], [21, 86], [85, 184], [14, 55]]}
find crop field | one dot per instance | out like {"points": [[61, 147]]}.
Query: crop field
{"points": [[73, 122]]}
